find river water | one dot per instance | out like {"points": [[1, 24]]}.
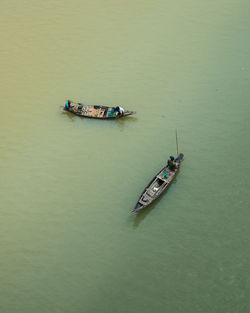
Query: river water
{"points": [[67, 185]]}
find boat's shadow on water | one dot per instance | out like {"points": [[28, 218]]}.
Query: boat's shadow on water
{"points": [[68, 115], [141, 215]]}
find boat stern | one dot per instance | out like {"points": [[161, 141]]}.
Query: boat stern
{"points": [[137, 208]]}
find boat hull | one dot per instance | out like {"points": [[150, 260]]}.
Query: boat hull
{"points": [[157, 186], [95, 111]]}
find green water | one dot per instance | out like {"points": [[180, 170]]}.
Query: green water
{"points": [[68, 243]]}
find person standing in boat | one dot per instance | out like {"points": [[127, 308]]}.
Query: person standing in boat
{"points": [[171, 163], [67, 105]]}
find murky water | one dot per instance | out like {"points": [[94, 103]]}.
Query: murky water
{"points": [[67, 185]]}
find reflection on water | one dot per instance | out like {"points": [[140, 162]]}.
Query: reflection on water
{"points": [[141, 215]]}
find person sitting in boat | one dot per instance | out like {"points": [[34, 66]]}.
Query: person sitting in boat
{"points": [[112, 112], [171, 163], [67, 105], [119, 111]]}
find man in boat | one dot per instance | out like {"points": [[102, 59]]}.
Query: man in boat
{"points": [[112, 112], [67, 105], [171, 163], [119, 111]]}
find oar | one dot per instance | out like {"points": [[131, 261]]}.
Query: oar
{"points": [[177, 143]]}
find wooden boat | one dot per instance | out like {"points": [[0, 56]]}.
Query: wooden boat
{"points": [[95, 111], [157, 185]]}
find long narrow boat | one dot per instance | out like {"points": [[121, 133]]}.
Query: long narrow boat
{"points": [[157, 185], [95, 111]]}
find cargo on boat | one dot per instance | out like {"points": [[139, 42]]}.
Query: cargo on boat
{"points": [[158, 184], [95, 111]]}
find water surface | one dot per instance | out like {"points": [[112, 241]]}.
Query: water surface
{"points": [[67, 185]]}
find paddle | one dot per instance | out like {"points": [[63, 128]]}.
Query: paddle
{"points": [[179, 157], [176, 142]]}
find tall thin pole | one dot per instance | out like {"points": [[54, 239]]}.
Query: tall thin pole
{"points": [[176, 143]]}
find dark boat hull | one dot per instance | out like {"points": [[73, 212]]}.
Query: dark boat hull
{"points": [[95, 111], [157, 186]]}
